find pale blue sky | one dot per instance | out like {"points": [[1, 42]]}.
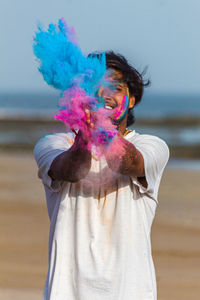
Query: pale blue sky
{"points": [[162, 34]]}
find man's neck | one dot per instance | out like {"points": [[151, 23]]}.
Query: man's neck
{"points": [[122, 126]]}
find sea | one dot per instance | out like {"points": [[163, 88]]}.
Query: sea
{"points": [[174, 117]]}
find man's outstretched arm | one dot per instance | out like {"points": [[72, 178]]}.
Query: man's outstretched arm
{"points": [[123, 157]]}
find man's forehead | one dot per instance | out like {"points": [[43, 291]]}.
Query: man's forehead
{"points": [[114, 75]]}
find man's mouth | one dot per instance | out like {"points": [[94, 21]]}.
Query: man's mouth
{"points": [[110, 105]]}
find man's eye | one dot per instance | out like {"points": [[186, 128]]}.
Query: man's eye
{"points": [[118, 88]]}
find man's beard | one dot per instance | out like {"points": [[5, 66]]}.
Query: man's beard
{"points": [[118, 122]]}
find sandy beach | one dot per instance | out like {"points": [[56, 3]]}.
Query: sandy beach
{"points": [[24, 229]]}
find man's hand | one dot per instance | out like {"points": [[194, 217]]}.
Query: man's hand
{"points": [[123, 157], [84, 137], [88, 120], [74, 164]]}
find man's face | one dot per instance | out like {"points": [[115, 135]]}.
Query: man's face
{"points": [[116, 98]]}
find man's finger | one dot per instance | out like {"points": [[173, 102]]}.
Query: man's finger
{"points": [[87, 115], [88, 120]]}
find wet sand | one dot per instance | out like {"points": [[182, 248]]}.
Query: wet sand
{"points": [[24, 229]]}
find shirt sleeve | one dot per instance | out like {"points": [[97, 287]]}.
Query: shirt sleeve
{"points": [[156, 155], [45, 151]]}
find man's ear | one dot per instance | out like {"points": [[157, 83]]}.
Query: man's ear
{"points": [[131, 102]]}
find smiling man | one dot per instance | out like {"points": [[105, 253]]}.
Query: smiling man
{"points": [[101, 210]]}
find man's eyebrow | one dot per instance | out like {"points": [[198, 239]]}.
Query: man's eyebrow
{"points": [[120, 85]]}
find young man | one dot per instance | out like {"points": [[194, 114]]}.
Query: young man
{"points": [[101, 211]]}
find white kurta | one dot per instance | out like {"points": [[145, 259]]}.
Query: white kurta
{"points": [[99, 241]]}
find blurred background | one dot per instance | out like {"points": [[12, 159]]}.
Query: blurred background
{"points": [[161, 35]]}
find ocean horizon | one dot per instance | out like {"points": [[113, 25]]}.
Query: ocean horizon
{"points": [[152, 105], [25, 117]]}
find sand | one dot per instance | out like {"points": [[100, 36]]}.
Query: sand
{"points": [[24, 229]]}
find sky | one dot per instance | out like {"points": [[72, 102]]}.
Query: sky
{"points": [[163, 35]]}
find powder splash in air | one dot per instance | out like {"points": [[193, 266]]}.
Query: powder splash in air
{"points": [[78, 77]]}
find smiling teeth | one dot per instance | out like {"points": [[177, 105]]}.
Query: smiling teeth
{"points": [[108, 107]]}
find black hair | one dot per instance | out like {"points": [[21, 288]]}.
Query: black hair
{"points": [[130, 76]]}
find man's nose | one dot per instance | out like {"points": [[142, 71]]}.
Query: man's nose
{"points": [[107, 97], [105, 93]]}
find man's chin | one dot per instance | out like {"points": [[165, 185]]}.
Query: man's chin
{"points": [[115, 122]]}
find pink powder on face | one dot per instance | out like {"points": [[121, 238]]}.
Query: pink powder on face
{"points": [[122, 110]]}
